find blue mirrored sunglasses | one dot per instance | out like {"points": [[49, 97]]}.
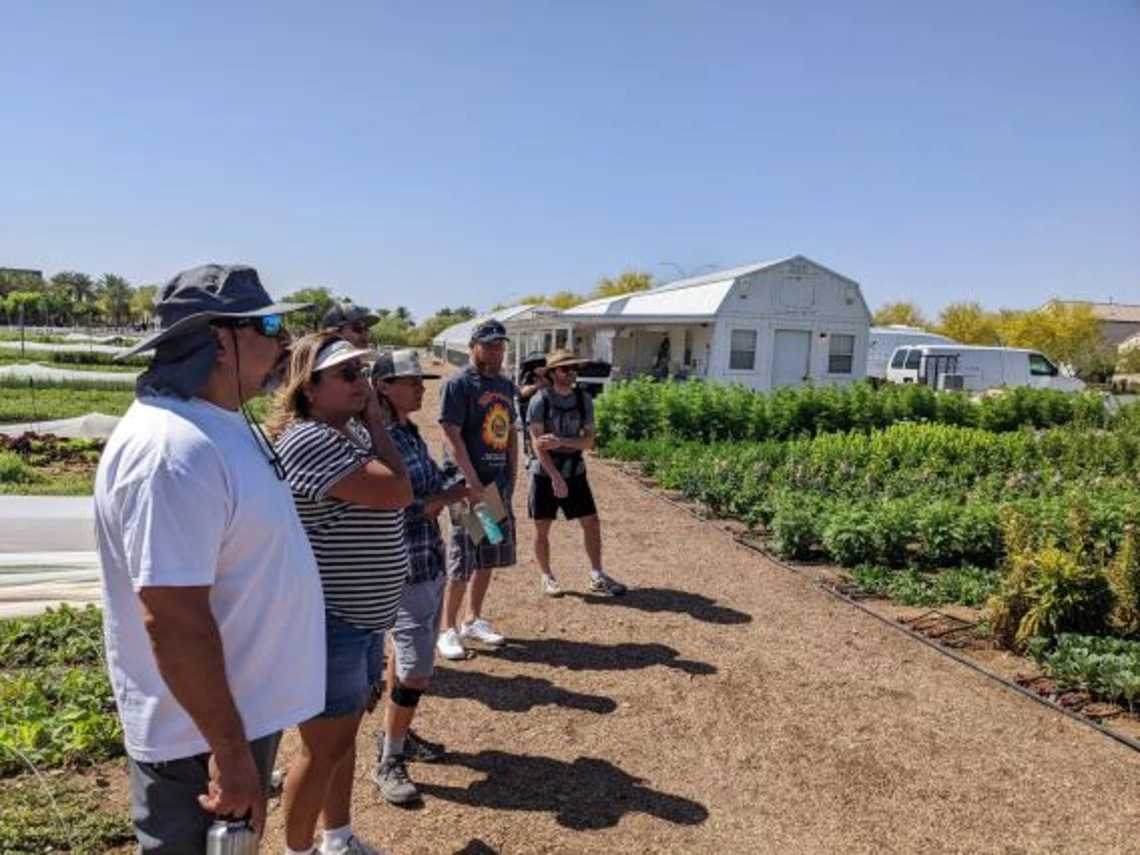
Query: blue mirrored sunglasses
{"points": [[270, 326]]}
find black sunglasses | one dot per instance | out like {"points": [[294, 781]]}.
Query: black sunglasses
{"points": [[350, 373]]}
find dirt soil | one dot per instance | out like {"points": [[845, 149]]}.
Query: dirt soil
{"points": [[727, 705]]}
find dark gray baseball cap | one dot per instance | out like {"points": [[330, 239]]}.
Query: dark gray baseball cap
{"points": [[197, 296], [391, 364], [346, 312]]}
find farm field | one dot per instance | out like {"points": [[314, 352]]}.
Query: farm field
{"points": [[1023, 506], [613, 725]]}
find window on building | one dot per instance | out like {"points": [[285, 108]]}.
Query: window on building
{"points": [[546, 339], [560, 337], [840, 354], [742, 356]]}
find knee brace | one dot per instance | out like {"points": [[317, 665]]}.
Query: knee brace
{"points": [[405, 696]]}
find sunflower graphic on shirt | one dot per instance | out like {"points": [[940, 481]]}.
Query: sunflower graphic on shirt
{"points": [[497, 427]]}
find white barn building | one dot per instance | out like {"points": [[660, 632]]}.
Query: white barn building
{"points": [[780, 323]]}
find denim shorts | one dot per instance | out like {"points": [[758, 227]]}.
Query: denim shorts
{"points": [[414, 633], [351, 667]]}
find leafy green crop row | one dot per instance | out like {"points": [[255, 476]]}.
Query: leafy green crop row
{"points": [[1108, 668], [56, 706], [710, 412]]}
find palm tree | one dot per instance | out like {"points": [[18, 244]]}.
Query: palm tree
{"points": [[115, 297]]}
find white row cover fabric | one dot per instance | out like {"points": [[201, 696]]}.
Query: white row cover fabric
{"points": [[63, 348], [50, 373], [90, 426]]}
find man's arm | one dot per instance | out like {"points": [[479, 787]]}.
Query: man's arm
{"points": [[188, 651], [437, 502], [457, 451]]}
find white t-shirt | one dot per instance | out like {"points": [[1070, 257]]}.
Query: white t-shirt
{"points": [[185, 496]]}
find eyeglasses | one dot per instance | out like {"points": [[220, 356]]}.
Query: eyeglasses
{"points": [[567, 370], [270, 326]]}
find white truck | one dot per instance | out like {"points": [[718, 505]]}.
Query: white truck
{"points": [[883, 341], [975, 369]]}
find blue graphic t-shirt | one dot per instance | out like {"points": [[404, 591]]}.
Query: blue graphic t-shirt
{"points": [[483, 408]]}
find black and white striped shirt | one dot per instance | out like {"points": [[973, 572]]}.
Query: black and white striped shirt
{"points": [[360, 551]]}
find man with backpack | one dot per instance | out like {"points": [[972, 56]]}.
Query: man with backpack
{"points": [[560, 420]]}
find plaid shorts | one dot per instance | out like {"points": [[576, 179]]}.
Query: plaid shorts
{"points": [[464, 557]]}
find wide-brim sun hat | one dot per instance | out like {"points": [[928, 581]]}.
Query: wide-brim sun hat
{"points": [[561, 359], [339, 351], [394, 364], [203, 294]]}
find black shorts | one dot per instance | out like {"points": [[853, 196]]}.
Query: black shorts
{"points": [[543, 505]]}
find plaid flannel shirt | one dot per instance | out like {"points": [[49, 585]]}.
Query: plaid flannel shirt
{"points": [[425, 544]]}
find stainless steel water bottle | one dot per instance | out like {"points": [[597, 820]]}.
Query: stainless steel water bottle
{"points": [[227, 837]]}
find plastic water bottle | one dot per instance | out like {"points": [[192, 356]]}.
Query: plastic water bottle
{"points": [[490, 527], [227, 837]]}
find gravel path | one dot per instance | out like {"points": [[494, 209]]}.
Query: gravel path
{"points": [[727, 705]]}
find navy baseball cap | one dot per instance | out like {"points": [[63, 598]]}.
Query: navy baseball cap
{"points": [[488, 331]]}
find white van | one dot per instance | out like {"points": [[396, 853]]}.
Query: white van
{"points": [[976, 369], [882, 341]]}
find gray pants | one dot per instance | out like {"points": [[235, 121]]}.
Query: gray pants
{"points": [[164, 799]]}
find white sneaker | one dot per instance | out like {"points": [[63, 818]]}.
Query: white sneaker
{"points": [[449, 646], [479, 630], [550, 586], [354, 846]]}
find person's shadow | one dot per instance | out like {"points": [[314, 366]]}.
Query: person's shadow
{"points": [[513, 694], [585, 656], [585, 795], [656, 600], [476, 847]]}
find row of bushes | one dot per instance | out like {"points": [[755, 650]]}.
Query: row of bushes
{"points": [[710, 412], [922, 464]]}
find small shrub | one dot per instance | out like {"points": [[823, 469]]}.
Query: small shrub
{"points": [[1124, 579], [1047, 593], [795, 529], [12, 469], [849, 537]]}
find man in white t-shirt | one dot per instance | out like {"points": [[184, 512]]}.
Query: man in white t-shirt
{"points": [[213, 615]]}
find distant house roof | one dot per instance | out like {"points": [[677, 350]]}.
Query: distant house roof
{"points": [[695, 298], [1123, 313]]}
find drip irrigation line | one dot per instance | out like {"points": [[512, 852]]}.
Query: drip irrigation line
{"points": [[901, 628]]}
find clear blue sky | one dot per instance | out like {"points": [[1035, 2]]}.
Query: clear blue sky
{"points": [[441, 153]]}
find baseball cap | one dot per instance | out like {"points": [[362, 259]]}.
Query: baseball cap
{"points": [[489, 330], [391, 364]]}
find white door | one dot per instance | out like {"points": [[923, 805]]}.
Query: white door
{"points": [[791, 358]]}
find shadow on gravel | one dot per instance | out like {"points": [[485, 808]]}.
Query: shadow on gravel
{"points": [[513, 694], [584, 656], [585, 795], [668, 600], [476, 847]]}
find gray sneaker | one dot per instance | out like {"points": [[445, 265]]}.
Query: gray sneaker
{"points": [[391, 776], [603, 584]]}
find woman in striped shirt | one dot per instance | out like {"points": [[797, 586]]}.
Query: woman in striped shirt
{"points": [[350, 486]]}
